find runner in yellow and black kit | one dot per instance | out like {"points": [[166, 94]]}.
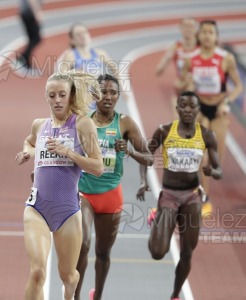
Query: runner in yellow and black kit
{"points": [[183, 143]]}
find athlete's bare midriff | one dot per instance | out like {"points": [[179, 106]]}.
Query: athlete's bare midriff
{"points": [[213, 99]]}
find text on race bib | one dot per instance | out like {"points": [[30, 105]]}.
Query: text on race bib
{"points": [[44, 158]]}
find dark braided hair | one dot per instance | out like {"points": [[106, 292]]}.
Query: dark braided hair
{"points": [[108, 77]]}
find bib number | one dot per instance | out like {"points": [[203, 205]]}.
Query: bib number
{"points": [[109, 160], [32, 197]]}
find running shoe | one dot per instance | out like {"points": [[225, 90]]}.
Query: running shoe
{"points": [[207, 208], [91, 294], [151, 216]]}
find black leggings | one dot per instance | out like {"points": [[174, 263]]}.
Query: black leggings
{"points": [[208, 111], [33, 32]]}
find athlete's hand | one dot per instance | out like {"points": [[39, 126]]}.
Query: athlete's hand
{"points": [[141, 192], [207, 170], [120, 145], [186, 84], [55, 146], [22, 157], [223, 109]]}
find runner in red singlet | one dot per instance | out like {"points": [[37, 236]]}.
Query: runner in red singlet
{"points": [[210, 69]]}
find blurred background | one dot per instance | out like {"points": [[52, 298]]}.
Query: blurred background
{"points": [[135, 34]]}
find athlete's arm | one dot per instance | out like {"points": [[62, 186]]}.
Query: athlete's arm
{"points": [[65, 62], [165, 59], [29, 143], [232, 71], [185, 81], [157, 140], [139, 150], [108, 62], [213, 169], [87, 133]]}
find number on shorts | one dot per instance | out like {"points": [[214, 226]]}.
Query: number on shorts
{"points": [[32, 197]]}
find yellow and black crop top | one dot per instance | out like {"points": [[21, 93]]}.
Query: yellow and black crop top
{"points": [[182, 154]]}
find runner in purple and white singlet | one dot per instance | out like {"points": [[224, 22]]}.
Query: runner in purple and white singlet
{"points": [[62, 145]]}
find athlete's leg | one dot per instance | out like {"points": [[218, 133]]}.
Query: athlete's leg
{"points": [[33, 31], [106, 227], [220, 127], [204, 179], [189, 218], [87, 220], [161, 232], [37, 240], [67, 240]]}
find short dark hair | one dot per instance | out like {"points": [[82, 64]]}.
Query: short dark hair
{"points": [[108, 77], [189, 94], [209, 22]]}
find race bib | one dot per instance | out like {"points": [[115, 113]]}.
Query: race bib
{"points": [[109, 160], [32, 197], [44, 158], [184, 159], [207, 80]]}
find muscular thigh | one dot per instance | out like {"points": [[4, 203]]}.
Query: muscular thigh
{"points": [[106, 227], [68, 240], [87, 219], [220, 126], [37, 236], [189, 221], [163, 227]]}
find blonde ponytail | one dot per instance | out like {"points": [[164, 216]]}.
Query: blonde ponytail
{"points": [[85, 89]]}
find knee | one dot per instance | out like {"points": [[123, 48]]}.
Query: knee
{"points": [[156, 252], [103, 255], [85, 248], [38, 275], [69, 278], [157, 255]]}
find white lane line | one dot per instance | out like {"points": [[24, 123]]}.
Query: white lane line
{"points": [[168, 31], [48, 271], [131, 18], [164, 33], [187, 10], [12, 233], [236, 152]]}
